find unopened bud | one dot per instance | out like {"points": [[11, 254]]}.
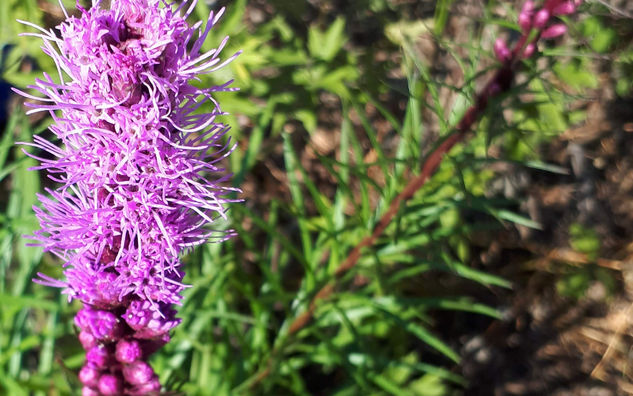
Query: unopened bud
{"points": [[502, 53], [528, 7], [554, 31], [103, 325], [89, 375], [541, 18], [565, 8], [88, 391], [525, 22], [153, 386], [99, 356], [128, 351], [529, 50], [138, 373], [87, 340], [110, 385]]}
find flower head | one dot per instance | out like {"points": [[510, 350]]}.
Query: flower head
{"points": [[138, 144]]}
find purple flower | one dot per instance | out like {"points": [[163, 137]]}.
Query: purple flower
{"points": [[138, 143], [565, 8], [554, 31], [502, 53], [540, 19]]}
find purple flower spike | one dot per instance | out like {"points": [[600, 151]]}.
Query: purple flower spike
{"points": [[110, 385], [554, 31], [128, 351], [139, 172], [138, 373]]}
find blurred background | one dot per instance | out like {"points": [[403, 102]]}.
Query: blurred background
{"points": [[509, 273]]}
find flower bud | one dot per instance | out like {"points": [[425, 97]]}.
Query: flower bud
{"points": [[149, 388], [103, 325], [541, 18], [89, 375], [88, 391], [564, 8], [87, 340], [529, 50], [99, 356], [554, 31], [110, 385], [150, 320], [128, 351], [138, 373], [528, 7], [525, 16], [502, 53]]}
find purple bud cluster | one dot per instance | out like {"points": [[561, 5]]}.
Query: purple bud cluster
{"points": [[540, 20], [530, 19], [137, 145], [116, 352]]}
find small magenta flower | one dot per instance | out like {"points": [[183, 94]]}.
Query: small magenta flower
{"points": [[554, 31], [565, 8], [539, 19], [139, 143], [502, 53], [525, 16]]}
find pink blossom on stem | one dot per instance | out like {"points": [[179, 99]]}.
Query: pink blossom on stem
{"points": [[541, 18], [529, 50], [502, 53], [554, 31], [525, 16], [565, 8]]}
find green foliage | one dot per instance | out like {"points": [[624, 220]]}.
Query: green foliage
{"points": [[605, 37], [576, 280]]}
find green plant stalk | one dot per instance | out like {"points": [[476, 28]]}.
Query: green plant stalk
{"points": [[500, 83]]}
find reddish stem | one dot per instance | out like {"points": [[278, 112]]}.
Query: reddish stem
{"points": [[501, 82]]}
